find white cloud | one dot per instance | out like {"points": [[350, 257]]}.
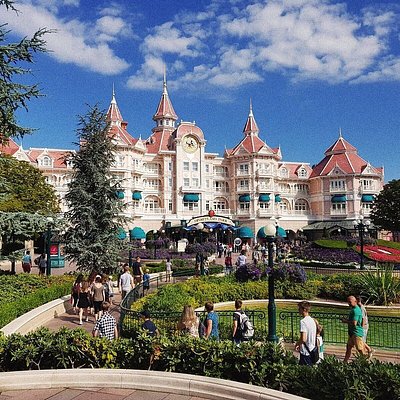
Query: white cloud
{"points": [[168, 39], [70, 43], [110, 28], [387, 70]]}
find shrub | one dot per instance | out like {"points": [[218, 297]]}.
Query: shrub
{"points": [[248, 272], [264, 364], [339, 286]]}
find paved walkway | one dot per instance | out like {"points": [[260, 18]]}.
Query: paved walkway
{"points": [[90, 394]]}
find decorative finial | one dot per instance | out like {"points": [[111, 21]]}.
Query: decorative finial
{"points": [[340, 132], [165, 79], [113, 95], [251, 107]]}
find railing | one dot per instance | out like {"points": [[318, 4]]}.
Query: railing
{"points": [[383, 331]]}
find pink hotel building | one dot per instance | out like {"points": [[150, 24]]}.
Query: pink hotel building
{"points": [[169, 177]]}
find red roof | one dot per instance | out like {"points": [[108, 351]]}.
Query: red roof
{"points": [[58, 156], [10, 148], [251, 124], [165, 109], [117, 124], [342, 155], [158, 141]]}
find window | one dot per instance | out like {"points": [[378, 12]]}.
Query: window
{"points": [[169, 182], [207, 183], [186, 182], [208, 205], [219, 186], [338, 185], [221, 171], [264, 206], [366, 207], [190, 206], [186, 165], [284, 206], [219, 204], [119, 161], [135, 203], [244, 206], [170, 205], [152, 183], [170, 166], [244, 184], [46, 161], [301, 187], [243, 169], [338, 208], [151, 203], [284, 172], [301, 205], [195, 166], [152, 168], [367, 184], [207, 168], [195, 182], [302, 173]]}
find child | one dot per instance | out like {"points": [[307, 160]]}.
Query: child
{"points": [[320, 340], [146, 282], [228, 264]]}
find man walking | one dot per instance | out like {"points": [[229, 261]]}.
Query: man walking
{"points": [[355, 328], [106, 326], [308, 334], [125, 282]]}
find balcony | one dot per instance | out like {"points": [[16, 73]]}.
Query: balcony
{"points": [[242, 173], [243, 189], [264, 172], [265, 188], [265, 212], [337, 189], [243, 212], [137, 186], [154, 211], [221, 190], [137, 169], [190, 189]]}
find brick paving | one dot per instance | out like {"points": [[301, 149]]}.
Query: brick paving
{"points": [[91, 394]]}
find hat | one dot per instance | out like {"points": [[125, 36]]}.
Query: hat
{"points": [[98, 276], [145, 313]]}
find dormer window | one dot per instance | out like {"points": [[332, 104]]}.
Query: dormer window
{"points": [[46, 161], [302, 173], [284, 172]]}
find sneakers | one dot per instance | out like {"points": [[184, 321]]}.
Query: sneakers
{"points": [[80, 323], [370, 354]]}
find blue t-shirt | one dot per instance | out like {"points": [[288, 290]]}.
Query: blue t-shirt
{"points": [[214, 328], [146, 280]]}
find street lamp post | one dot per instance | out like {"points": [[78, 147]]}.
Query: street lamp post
{"points": [[48, 243], [155, 244], [270, 233], [362, 226]]}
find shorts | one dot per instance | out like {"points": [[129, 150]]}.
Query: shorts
{"points": [[26, 267], [137, 279], [357, 342], [97, 306]]}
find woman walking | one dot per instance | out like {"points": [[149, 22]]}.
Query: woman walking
{"points": [[98, 296], [83, 301], [76, 288], [189, 322], [211, 322]]}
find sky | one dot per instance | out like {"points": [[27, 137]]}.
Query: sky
{"points": [[310, 68]]}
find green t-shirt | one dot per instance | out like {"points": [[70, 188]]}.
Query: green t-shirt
{"points": [[356, 315]]}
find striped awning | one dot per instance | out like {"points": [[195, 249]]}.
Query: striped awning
{"points": [[137, 233]]}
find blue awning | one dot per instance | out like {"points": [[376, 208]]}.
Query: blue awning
{"points": [[278, 198], [191, 197], [136, 196], [264, 198], [280, 232], [367, 198], [244, 198], [338, 198], [245, 232], [137, 233], [121, 234], [119, 194]]}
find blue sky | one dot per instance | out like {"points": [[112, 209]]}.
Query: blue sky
{"points": [[309, 66]]}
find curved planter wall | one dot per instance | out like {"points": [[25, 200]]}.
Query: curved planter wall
{"points": [[166, 382]]}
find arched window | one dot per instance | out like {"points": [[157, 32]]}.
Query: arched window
{"points": [[46, 161], [301, 206], [151, 203], [302, 173], [284, 206], [220, 203], [284, 172]]}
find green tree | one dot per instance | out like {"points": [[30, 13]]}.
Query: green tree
{"points": [[386, 211], [24, 188], [94, 215], [15, 95]]}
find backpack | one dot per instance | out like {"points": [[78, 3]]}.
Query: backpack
{"points": [[246, 326], [202, 329]]}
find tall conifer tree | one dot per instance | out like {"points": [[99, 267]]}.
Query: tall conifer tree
{"points": [[94, 211]]}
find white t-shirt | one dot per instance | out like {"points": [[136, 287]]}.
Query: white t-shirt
{"points": [[241, 260], [126, 281], [307, 325], [168, 266]]}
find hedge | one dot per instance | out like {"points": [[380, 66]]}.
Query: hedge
{"points": [[264, 364], [22, 293]]}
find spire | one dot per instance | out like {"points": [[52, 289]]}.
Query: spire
{"points": [[251, 124], [165, 114], [340, 132], [113, 114]]}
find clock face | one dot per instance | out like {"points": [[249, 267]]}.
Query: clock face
{"points": [[190, 144]]}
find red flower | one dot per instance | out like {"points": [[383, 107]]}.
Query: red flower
{"points": [[381, 253]]}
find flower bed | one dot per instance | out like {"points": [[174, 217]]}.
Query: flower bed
{"points": [[381, 253]]}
